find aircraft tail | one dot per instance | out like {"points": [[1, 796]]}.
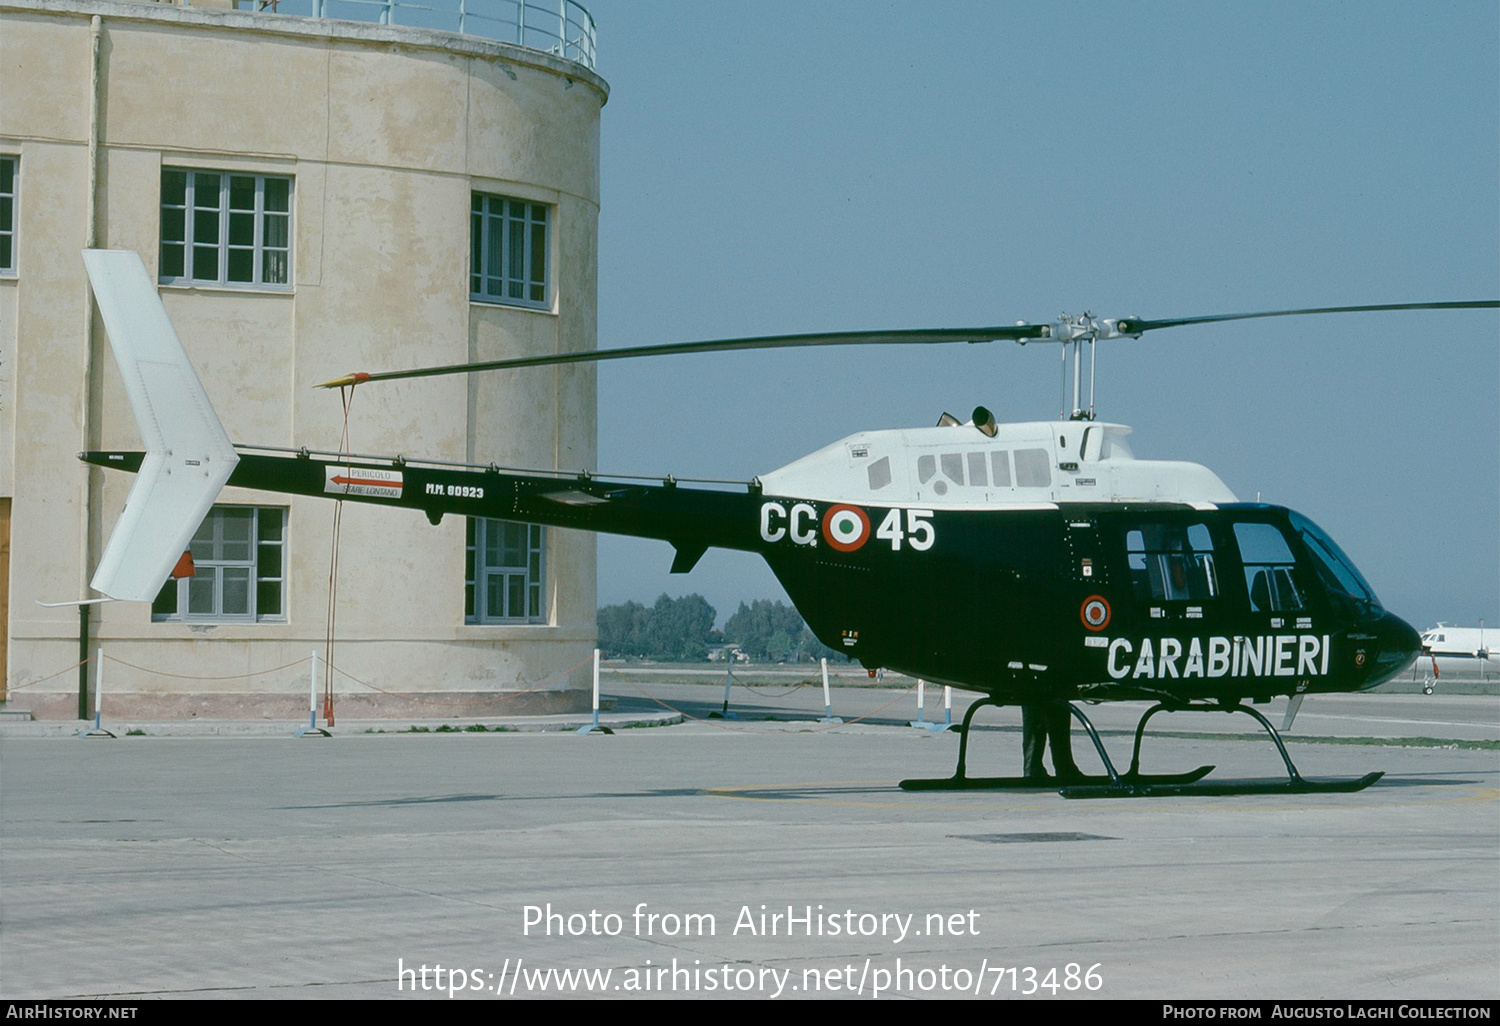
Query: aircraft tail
{"points": [[188, 455]]}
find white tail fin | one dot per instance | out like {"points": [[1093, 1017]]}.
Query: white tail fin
{"points": [[188, 455]]}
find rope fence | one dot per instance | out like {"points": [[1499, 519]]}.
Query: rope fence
{"points": [[42, 680], [538, 686], [622, 679], [496, 700]]}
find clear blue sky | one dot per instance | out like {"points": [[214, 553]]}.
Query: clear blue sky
{"points": [[794, 166]]}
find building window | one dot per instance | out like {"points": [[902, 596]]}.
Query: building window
{"points": [[503, 572], [219, 228], [508, 251], [239, 570], [8, 168]]}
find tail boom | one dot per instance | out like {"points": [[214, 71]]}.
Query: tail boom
{"points": [[691, 519]]}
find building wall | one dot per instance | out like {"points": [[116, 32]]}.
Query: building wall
{"points": [[386, 133]]}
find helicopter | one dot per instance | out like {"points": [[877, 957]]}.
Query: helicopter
{"points": [[1031, 562]]}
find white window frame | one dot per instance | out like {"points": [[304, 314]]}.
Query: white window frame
{"points": [[8, 215], [529, 575], [264, 254], [265, 571], [495, 221]]}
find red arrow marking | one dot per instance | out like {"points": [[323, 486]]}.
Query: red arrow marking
{"points": [[351, 481]]}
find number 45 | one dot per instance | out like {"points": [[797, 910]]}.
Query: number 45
{"points": [[918, 534]]}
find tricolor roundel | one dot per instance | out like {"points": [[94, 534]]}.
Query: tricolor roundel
{"points": [[846, 528], [1095, 613]]}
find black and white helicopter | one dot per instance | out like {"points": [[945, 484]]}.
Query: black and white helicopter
{"points": [[1034, 562]]}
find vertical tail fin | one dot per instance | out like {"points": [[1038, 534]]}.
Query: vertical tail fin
{"points": [[188, 455]]}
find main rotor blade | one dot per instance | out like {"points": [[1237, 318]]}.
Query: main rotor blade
{"points": [[917, 336], [1135, 325]]}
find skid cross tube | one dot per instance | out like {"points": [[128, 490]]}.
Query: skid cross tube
{"points": [[1295, 780], [1111, 782], [1137, 786], [1140, 731]]}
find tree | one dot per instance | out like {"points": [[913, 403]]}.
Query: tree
{"points": [[679, 629], [672, 630], [622, 630], [774, 631]]}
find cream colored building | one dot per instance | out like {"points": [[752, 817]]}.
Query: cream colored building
{"points": [[314, 196]]}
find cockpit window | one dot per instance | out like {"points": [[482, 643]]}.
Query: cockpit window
{"points": [[1336, 569], [1171, 562], [1271, 574]]}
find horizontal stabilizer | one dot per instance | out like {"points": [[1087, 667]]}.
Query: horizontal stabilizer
{"points": [[188, 455]]}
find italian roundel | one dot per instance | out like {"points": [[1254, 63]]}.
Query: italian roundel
{"points": [[846, 528], [1095, 613]]}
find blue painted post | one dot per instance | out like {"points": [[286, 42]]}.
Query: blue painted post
{"points": [[828, 716], [724, 713], [99, 687], [312, 727], [97, 731], [596, 688], [595, 728]]}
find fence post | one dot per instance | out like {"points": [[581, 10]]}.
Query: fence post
{"points": [[724, 713], [919, 722], [595, 728], [98, 731], [312, 703], [828, 716]]}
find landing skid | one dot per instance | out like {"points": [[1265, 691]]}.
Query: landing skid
{"points": [[1134, 783], [957, 783], [1225, 787]]}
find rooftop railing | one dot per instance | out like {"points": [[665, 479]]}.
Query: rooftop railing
{"points": [[561, 27]]}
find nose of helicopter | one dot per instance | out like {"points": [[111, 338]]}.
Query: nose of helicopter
{"points": [[1400, 645]]}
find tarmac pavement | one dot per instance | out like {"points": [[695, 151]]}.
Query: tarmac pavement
{"points": [[169, 865]]}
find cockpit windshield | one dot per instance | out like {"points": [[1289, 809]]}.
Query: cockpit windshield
{"points": [[1336, 569]]}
